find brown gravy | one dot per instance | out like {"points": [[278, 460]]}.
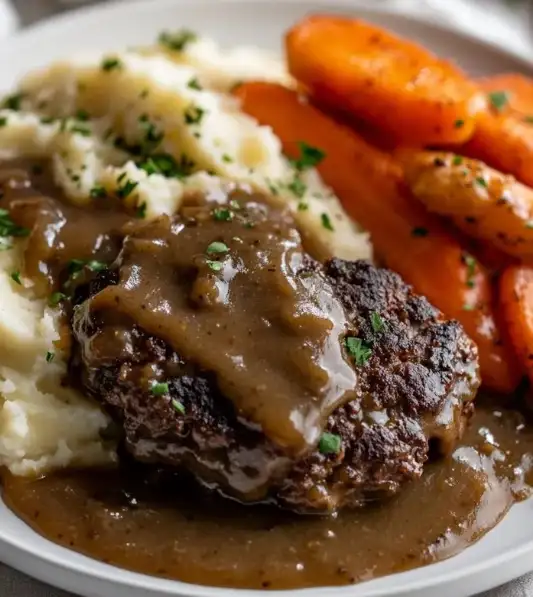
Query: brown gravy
{"points": [[168, 528], [291, 372], [205, 540], [60, 231]]}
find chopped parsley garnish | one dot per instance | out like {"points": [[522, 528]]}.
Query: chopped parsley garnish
{"points": [[13, 102], [529, 224], [8, 227], [166, 165], [459, 123], [177, 40], [358, 349], [47, 120], [98, 192], [309, 157], [216, 266], [193, 114], [528, 119], [178, 406], [419, 232], [481, 182], [50, 356], [159, 388], [217, 247], [457, 160], [297, 187], [80, 130], [15, 276], [140, 212], [498, 99], [109, 64], [227, 158], [378, 325], [469, 307], [126, 189], [96, 266], [303, 206], [222, 214], [471, 265], [194, 84], [56, 298], [326, 222], [152, 136], [82, 115], [234, 204], [76, 265], [330, 443], [149, 166], [3, 121]]}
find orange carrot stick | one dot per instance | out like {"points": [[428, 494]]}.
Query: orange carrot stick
{"points": [[516, 297], [509, 92], [392, 83], [481, 201], [411, 241], [504, 134]]}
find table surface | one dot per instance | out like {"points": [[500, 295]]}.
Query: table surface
{"points": [[502, 17]]}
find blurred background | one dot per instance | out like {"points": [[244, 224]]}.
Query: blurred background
{"points": [[509, 22]]}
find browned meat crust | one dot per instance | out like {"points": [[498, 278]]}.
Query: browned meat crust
{"points": [[415, 391]]}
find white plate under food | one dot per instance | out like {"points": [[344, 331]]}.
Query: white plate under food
{"points": [[507, 551]]}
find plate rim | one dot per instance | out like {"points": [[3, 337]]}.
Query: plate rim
{"points": [[520, 556], [406, 13]]}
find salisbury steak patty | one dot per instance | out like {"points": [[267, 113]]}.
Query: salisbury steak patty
{"points": [[416, 387], [416, 391], [220, 347]]}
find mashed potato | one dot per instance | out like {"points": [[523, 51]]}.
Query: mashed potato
{"points": [[89, 115]]}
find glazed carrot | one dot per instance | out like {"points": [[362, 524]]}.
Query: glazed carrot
{"points": [[481, 201], [371, 134], [411, 241], [508, 93], [504, 133], [392, 83], [516, 298]]}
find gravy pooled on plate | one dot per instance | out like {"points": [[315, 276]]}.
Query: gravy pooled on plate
{"points": [[223, 351]]}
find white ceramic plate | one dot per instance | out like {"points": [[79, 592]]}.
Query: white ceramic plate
{"points": [[503, 554]]}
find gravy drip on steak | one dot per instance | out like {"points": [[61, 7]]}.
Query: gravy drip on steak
{"points": [[233, 297], [225, 285], [62, 235]]}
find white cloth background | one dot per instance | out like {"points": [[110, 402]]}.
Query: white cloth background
{"points": [[505, 21]]}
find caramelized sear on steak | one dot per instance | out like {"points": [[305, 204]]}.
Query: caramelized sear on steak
{"points": [[220, 347]]}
